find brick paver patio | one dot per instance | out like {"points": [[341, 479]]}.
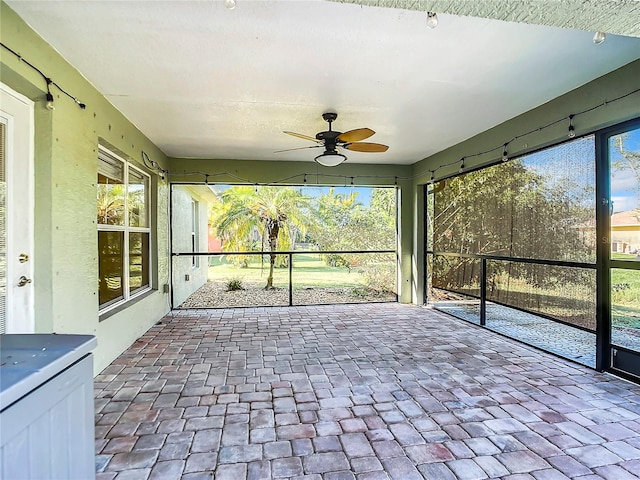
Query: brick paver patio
{"points": [[369, 392]]}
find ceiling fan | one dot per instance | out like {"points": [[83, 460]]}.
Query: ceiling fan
{"points": [[331, 140]]}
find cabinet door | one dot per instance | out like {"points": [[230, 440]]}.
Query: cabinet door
{"points": [[50, 432]]}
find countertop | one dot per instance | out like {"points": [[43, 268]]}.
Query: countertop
{"points": [[29, 360]]}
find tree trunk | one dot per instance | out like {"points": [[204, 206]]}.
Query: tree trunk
{"points": [[273, 229]]}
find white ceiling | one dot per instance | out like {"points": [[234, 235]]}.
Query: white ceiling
{"points": [[203, 81]]}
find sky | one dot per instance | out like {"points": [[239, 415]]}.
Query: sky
{"points": [[625, 192], [571, 165]]}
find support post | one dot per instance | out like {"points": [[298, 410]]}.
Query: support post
{"points": [[483, 291], [290, 279]]}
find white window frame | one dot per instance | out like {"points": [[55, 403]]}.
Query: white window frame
{"points": [[126, 293]]}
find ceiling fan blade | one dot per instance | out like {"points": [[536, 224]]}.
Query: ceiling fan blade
{"points": [[299, 148], [366, 147], [305, 137], [355, 135]]}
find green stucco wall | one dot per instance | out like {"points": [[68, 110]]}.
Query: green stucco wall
{"points": [[66, 146]]}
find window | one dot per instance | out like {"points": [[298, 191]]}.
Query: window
{"points": [[195, 220], [123, 230]]}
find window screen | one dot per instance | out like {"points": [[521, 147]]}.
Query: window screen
{"points": [[540, 207]]}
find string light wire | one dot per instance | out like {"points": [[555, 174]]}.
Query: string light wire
{"points": [[535, 130], [154, 166], [48, 80]]}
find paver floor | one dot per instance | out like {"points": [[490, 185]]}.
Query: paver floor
{"points": [[561, 339], [368, 392]]}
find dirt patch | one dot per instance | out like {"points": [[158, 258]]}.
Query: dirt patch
{"points": [[214, 295]]}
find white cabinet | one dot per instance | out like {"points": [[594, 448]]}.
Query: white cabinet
{"points": [[46, 407]]}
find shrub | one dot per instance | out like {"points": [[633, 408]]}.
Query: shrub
{"points": [[234, 284], [620, 287], [360, 292], [380, 277], [335, 260]]}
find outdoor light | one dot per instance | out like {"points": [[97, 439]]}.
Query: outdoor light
{"points": [[50, 104], [432, 20], [505, 154], [599, 38], [330, 159], [572, 131], [49, 97]]}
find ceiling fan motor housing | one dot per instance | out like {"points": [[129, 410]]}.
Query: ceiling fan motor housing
{"points": [[329, 136]]}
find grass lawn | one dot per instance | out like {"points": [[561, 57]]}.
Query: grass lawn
{"points": [[625, 295], [622, 256], [623, 316], [309, 270]]}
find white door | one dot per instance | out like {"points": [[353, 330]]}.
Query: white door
{"points": [[16, 212]]}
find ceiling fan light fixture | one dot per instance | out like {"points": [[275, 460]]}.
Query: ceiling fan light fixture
{"points": [[432, 20], [330, 159]]}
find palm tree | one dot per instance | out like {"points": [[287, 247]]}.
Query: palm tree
{"points": [[276, 215], [233, 227], [111, 203]]}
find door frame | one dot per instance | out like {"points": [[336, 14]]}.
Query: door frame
{"points": [[20, 317], [605, 350]]}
